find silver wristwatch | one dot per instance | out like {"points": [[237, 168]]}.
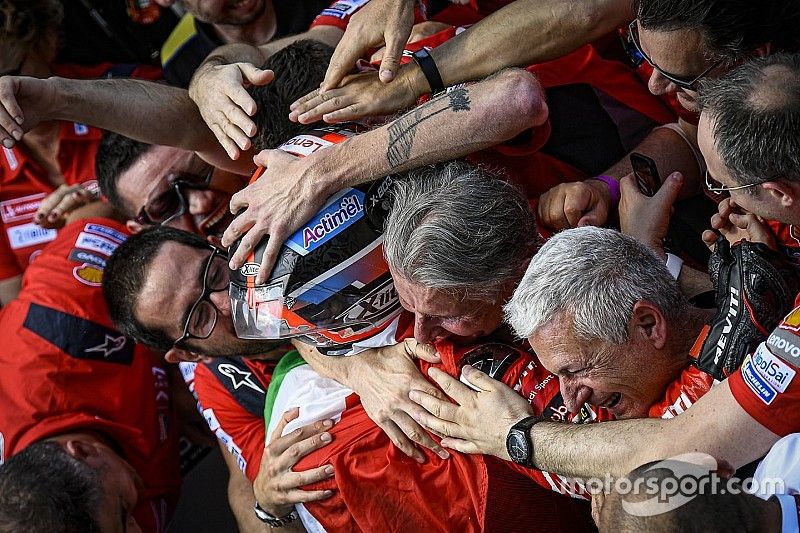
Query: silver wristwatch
{"points": [[275, 521]]}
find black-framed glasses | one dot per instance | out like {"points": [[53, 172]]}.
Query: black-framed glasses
{"points": [[714, 186], [633, 47], [203, 315], [166, 201]]}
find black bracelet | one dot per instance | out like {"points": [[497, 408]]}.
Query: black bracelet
{"points": [[429, 69]]}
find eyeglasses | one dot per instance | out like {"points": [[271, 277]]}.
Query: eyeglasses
{"points": [[166, 201], [203, 315], [633, 46], [714, 186]]}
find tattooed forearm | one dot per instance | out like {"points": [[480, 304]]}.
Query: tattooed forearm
{"points": [[403, 130]]}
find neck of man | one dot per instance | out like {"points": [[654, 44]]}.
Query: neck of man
{"points": [[684, 333], [259, 31]]}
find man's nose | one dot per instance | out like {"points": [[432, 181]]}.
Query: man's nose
{"points": [[426, 329], [658, 84], [574, 393], [200, 202], [222, 301]]}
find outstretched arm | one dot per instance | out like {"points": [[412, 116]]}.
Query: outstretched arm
{"points": [[520, 34], [146, 111], [451, 125]]}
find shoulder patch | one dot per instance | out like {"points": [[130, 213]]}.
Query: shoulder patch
{"points": [[105, 231], [82, 256], [77, 337], [343, 8], [240, 382], [95, 243], [792, 321], [89, 274]]}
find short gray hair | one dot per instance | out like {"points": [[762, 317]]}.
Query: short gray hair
{"points": [[595, 276], [755, 111], [459, 229]]}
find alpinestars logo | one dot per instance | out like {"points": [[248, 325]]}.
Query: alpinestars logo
{"points": [[111, 345], [349, 207], [733, 312]]}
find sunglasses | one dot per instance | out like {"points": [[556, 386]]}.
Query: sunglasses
{"points": [[714, 186], [633, 46], [167, 202]]}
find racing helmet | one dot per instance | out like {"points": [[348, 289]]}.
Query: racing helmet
{"points": [[330, 285]]}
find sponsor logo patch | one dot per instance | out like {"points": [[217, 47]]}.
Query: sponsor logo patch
{"points": [[89, 274], [786, 344], [82, 256], [772, 368], [29, 234], [757, 384], [105, 231], [340, 213], [792, 321], [11, 157], [20, 208], [96, 243], [341, 9], [249, 269], [81, 129], [303, 145]]}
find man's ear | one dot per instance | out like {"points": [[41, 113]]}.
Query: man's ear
{"points": [[786, 193], [80, 448], [177, 355], [764, 50], [648, 323], [133, 227]]}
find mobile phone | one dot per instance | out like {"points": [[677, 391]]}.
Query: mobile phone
{"points": [[646, 172]]}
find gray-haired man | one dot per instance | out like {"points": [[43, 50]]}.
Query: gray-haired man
{"points": [[743, 416]]}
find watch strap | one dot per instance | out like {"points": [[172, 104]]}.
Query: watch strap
{"points": [[274, 521], [429, 69], [613, 188]]}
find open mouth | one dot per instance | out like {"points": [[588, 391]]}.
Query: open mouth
{"points": [[612, 401], [217, 222]]}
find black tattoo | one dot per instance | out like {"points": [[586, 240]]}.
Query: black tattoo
{"points": [[403, 130]]}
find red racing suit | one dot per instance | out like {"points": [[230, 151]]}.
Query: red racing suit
{"points": [[66, 369]]}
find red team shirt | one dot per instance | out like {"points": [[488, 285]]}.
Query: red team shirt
{"points": [[23, 185], [765, 384], [65, 369]]}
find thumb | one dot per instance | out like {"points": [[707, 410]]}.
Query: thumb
{"points": [[426, 352], [596, 216], [263, 158], [391, 60], [670, 189], [255, 75]]}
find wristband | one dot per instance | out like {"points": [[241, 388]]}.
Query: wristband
{"points": [[674, 265], [613, 188], [429, 69]]}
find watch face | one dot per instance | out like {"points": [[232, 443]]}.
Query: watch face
{"points": [[517, 446]]}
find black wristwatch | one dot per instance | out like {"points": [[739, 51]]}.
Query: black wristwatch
{"points": [[518, 441], [275, 521]]}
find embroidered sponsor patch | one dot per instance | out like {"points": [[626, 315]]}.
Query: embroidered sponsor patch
{"points": [[22, 208], [342, 9], [341, 212], [96, 243], [29, 234], [786, 345], [11, 157], [105, 231], [303, 145], [89, 274], [772, 368], [82, 256], [78, 337], [792, 321], [80, 128], [757, 384]]}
